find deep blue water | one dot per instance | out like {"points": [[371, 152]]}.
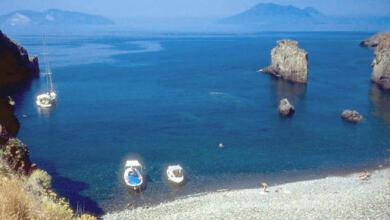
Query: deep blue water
{"points": [[172, 98]]}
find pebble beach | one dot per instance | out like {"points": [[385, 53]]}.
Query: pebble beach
{"points": [[335, 197]]}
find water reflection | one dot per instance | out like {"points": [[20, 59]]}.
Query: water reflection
{"points": [[294, 92], [45, 111], [381, 102]]}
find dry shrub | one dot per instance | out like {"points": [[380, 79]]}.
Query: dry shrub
{"points": [[15, 201], [39, 182]]}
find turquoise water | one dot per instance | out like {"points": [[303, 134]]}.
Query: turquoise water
{"points": [[172, 98]]}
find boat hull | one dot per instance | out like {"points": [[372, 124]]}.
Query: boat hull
{"points": [[173, 179], [133, 181]]}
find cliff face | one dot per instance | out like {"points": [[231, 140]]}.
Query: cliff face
{"points": [[288, 62], [381, 65], [375, 40], [15, 64], [9, 125]]}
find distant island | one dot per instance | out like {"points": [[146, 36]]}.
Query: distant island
{"points": [[51, 17], [270, 16], [270, 13]]}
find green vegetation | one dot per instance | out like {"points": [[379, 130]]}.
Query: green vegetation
{"points": [[29, 196]]}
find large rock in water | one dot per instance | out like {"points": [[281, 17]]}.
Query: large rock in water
{"points": [[15, 64], [381, 64], [288, 62], [285, 108], [375, 40]]}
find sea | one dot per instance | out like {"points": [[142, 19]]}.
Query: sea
{"points": [[172, 98]]}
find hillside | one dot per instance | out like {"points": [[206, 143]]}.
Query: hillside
{"points": [[270, 13], [51, 17]]}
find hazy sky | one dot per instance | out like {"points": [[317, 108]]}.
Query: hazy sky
{"points": [[192, 8]]}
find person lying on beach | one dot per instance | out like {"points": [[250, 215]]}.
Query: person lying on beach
{"points": [[364, 175]]}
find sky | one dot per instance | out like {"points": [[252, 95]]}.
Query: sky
{"points": [[193, 8]]}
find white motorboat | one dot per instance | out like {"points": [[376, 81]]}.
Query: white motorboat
{"points": [[175, 174], [48, 98], [133, 174]]}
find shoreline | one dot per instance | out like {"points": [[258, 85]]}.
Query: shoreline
{"points": [[334, 196], [241, 182]]}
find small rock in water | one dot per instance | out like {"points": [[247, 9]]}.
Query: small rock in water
{"points": [[285, 108], [352, 116]]}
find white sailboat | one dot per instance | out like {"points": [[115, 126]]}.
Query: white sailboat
{"points": [[48, 98]]}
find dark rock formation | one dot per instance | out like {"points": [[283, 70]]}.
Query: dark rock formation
{"points": [[352, 116], [15, 64], [8, 122], [288, 62], [375, 40], [381, 65], [285, 108]]}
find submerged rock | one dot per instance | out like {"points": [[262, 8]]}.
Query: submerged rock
{"points": [[285, 108], [375, 40], [15, 64], [288, 62], [351, 115], [381, 65]]}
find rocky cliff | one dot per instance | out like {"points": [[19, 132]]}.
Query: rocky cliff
{"points": [[381, 64], [288, 62], [16, 65], [375, 40], [9, 125]]}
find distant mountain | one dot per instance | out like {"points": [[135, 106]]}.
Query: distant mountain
{"points": [[51, 17], [269, 13], [271, 17]]}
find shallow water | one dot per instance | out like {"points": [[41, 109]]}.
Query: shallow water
{"points": [[172, 98]]}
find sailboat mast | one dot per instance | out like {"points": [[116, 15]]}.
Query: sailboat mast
{"points": [[49, 80]]}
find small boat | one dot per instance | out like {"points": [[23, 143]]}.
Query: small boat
{"points": [[133, 174], [175, 174], [48, 98]]}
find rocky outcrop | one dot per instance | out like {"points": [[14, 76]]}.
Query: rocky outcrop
{"points": [[285, 108], [9, 123], [17, 156], [375, 40], [351, 116], [381, 65], [288, 62], [15, 64]]}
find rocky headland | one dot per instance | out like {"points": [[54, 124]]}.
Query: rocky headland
{"points": [[16, 66], [25, 190], [375, 40], [381, 65], [288, 62]]}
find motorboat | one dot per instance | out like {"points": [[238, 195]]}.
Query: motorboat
{"points": [[133, 174], [175, 174]]}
